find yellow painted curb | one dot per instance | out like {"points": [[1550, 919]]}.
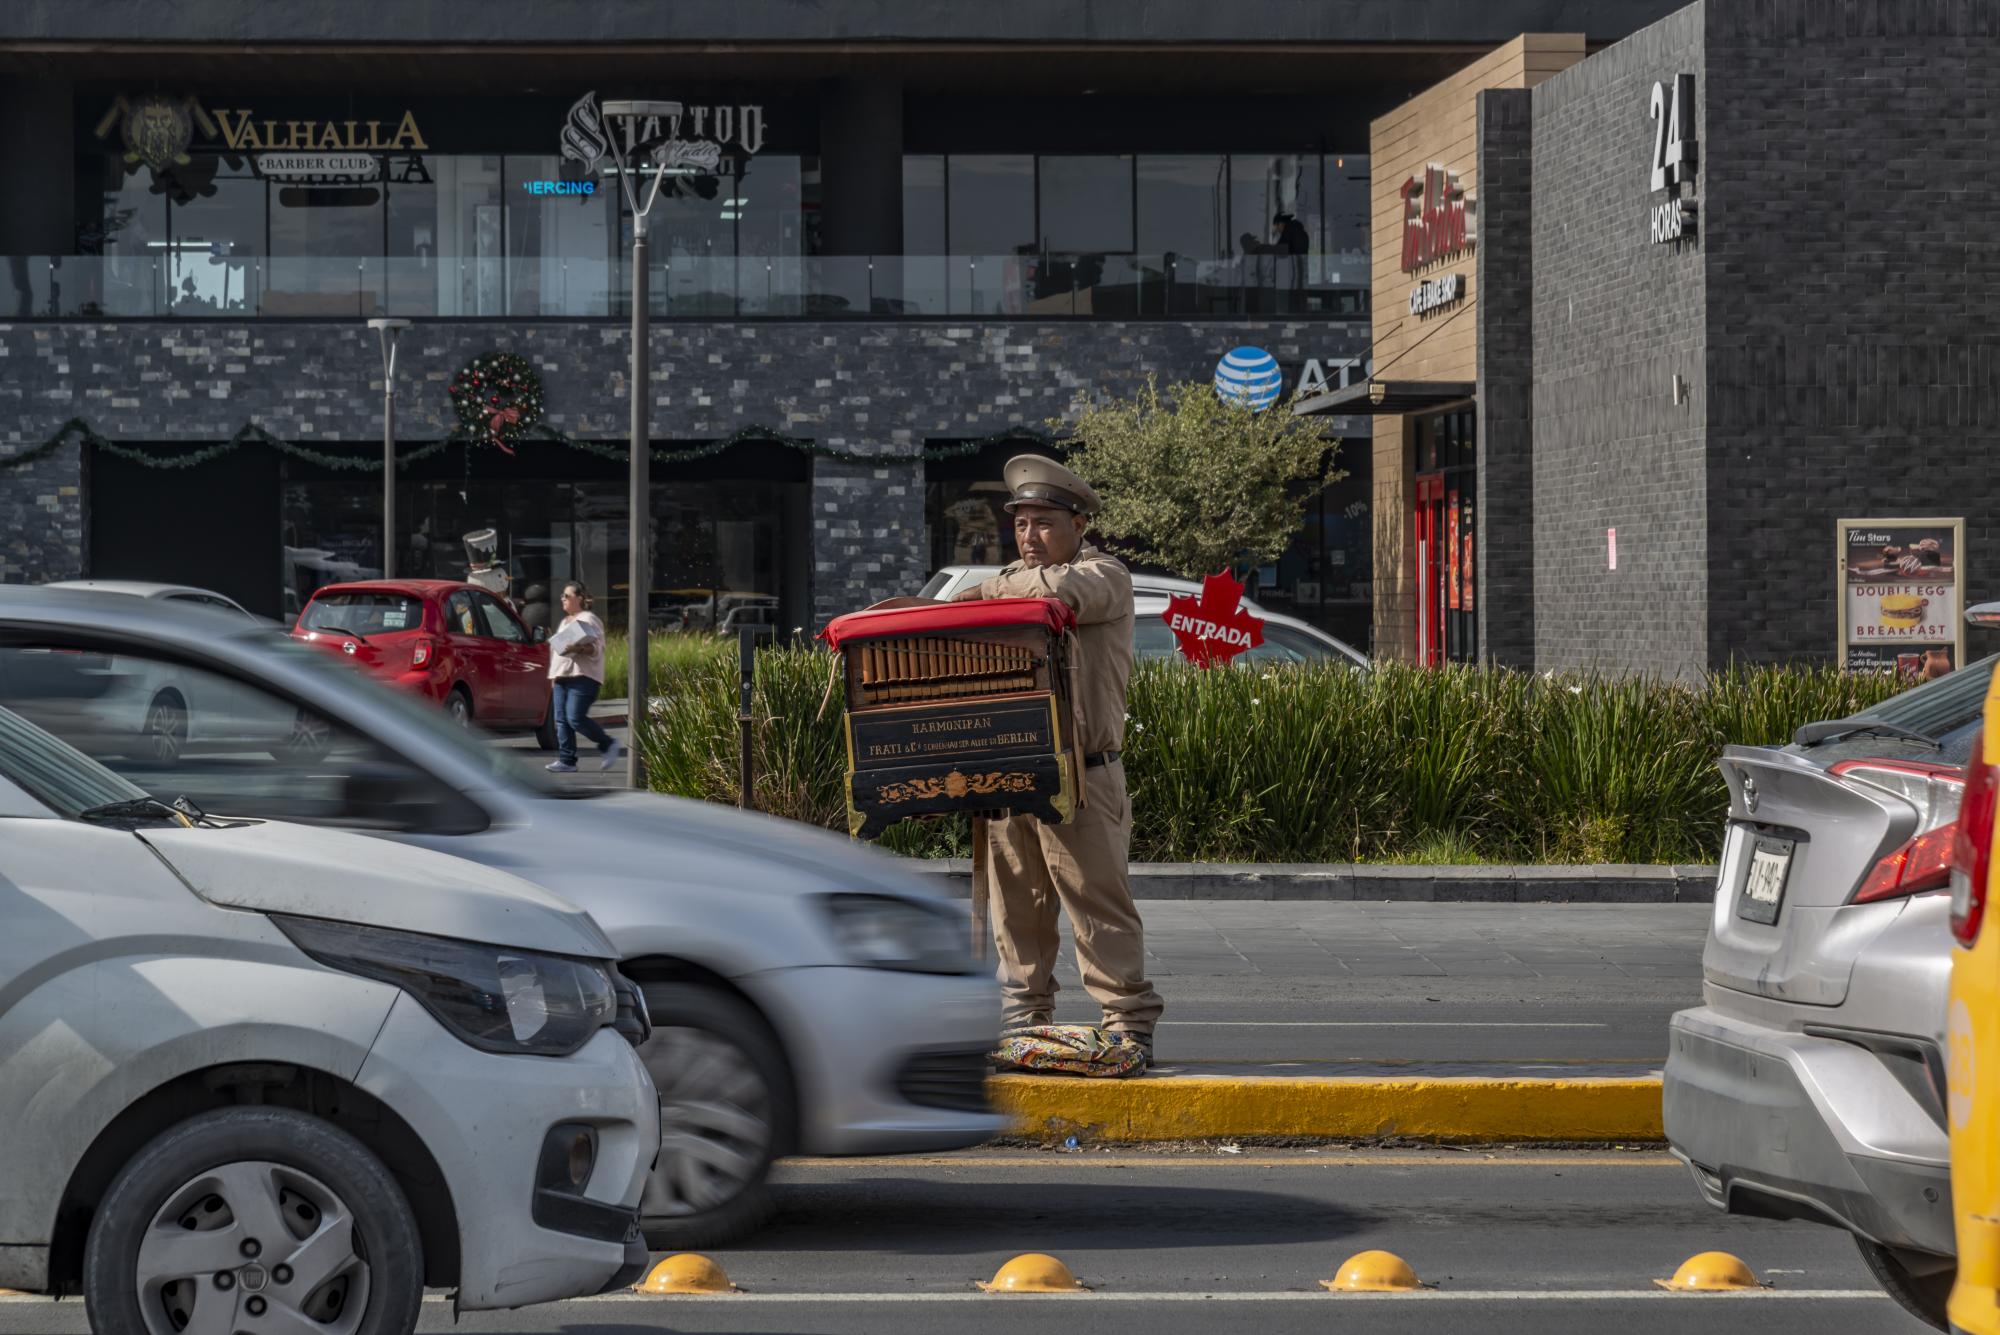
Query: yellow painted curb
{"points": [[1200, 1107]]}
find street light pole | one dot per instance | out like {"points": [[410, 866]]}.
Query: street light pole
{"points": [[639, 569], [386, 333]]}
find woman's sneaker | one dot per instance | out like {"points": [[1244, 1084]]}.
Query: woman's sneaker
{"points": [[612, 754], [560, 767]]}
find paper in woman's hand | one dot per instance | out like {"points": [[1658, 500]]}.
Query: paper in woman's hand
{"points": [[577, 633]]}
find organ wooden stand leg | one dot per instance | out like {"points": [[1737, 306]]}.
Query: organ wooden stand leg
{"points": [[981, 929]]}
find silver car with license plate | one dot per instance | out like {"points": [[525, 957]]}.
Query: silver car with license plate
{"points": [[1809, 1085]]}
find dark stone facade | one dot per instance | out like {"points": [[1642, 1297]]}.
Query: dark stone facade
{"points": [[1615, 320], [1830, 323], [877, 388], [1505, 544]]}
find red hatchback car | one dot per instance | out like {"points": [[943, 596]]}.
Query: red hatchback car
{"points": [[455, 644]]}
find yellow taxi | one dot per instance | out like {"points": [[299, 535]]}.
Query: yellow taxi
{"points": [[1972, 1029]]}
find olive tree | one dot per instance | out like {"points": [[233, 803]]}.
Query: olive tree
{"points": [[1200, 483]]}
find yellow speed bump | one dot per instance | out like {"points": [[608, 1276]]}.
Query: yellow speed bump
{"points": [[686, 1273], [1373, 1272], [1033, 1272], [1711, 1272]]}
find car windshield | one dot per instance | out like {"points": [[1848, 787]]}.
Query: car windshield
{"points": [[363, 612], [55, 773], [1947, 711]]}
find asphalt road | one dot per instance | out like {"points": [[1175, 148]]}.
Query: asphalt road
{"points": [[1539, 1244]]}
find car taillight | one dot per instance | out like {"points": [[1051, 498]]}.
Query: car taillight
{"points": [[1972, 850], [1922, 864], [420, 654]]}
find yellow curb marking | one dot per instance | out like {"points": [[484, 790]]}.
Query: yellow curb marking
{"points": [[1464, 1108], [1303, 1159]]}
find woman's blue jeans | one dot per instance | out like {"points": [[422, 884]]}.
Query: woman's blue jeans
{"points": [[573, 698]]}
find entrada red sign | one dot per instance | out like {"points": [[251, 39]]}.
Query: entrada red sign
{"points": [[1436, 218], [1214, 628]]}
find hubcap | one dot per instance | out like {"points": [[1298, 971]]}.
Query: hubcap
{"points": [[715, 1122], [252, 1245], [166, 730], [461, 713], [311, 736]]}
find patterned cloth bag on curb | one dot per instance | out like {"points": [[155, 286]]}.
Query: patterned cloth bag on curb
{"points": [[1068, 1049]]}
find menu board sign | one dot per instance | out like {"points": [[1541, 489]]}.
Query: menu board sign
{"points": [[1902, 595]]}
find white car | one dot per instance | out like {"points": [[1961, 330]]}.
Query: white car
{"points": [[809, 995], [163, 712], [257, 1076], [1286, 639]]}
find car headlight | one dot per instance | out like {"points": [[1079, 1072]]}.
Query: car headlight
{"points": [[495, 998], [885, 932]]}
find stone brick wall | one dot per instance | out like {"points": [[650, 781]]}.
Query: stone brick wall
{"points": [[1853, 364], [1616, 318], [881, 389], [1504, 545]]}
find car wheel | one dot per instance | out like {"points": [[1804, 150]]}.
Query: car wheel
{"points": [[458, 706], [311, 739], [725, 1109], [1918, 1289], [166, 728], [253, 1218]]}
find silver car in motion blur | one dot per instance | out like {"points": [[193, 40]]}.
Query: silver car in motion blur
{"points": [[808, 995], [1809, 1084]]}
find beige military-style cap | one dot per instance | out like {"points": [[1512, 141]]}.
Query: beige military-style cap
{"points": [[1035, 479]]}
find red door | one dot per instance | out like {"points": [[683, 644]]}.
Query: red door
{"points": [[475, 657], [1432, 562]]}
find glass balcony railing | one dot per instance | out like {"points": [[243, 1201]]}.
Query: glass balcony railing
{"points": [[201, 285]]}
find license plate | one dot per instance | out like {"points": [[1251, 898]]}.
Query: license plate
{"points": [[1764, 875]]}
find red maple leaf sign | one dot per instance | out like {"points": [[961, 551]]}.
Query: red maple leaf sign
{"points": [[1214, 628]]}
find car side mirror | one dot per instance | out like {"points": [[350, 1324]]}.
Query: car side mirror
{"points": [[395, 797], [541, 633], [1983, 614]]}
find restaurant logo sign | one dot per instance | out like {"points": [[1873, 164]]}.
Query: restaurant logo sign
{"points": [[1673, 160], [1439, 219], [688, 140], [1434, 294]]}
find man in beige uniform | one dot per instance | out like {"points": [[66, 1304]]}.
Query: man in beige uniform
{"points": [[1080, 865]]}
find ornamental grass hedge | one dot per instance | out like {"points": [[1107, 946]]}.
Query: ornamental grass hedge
{"points": [[1311, 764]]}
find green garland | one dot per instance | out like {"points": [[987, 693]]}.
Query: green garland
{"points": [[77, 429]]}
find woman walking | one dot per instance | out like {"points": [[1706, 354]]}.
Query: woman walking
{"points": [[576, 675]]}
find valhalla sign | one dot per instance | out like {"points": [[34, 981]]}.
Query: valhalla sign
{"points": [[1439, 220]]}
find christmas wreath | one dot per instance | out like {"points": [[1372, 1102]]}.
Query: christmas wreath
{"points": [[498, 398]]}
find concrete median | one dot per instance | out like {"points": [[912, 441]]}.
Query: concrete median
{"points": [[1465, 1109]]}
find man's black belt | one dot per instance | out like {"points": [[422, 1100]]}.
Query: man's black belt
{"points": [[1099, 759]]}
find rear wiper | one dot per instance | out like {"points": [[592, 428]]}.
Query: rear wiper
{"points": [[1831, 730], [342, 630]]}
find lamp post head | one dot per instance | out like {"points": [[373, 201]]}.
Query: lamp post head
{"points": [[641, 109], [384, 323]]}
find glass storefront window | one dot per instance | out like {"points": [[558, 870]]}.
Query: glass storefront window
{"points": [[217, 244], [559, 247], [992, 199], [1086, 204], [326, 248], [446, 238], [1183, 205], [923, 204]]}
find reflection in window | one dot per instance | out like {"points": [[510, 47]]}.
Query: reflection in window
{"points": [[559, 247], [446, 241], [1086, 204], [326, 244], [217, 244], [923, 204], [992, 204], [1183, 205]]}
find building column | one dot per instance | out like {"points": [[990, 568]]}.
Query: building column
{"points": [[868, 538], [861, 166], [1504, 593]]}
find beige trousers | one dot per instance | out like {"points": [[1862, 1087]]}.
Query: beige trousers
{"points": [[1080, 866]]}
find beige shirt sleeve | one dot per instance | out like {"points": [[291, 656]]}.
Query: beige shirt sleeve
{"points": [[1096, 589]]}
